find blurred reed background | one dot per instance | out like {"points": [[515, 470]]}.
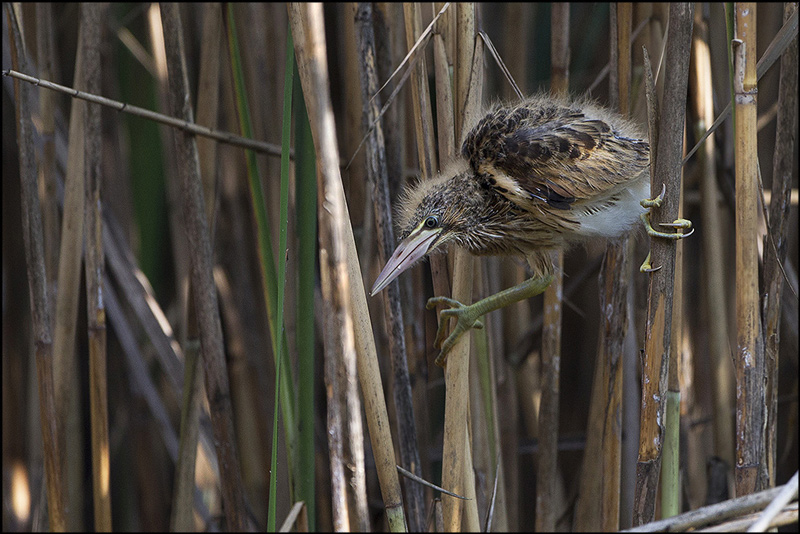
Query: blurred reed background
{"points": [[99, 333]]}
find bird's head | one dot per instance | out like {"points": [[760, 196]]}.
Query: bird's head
{"points": [[431, 214]]}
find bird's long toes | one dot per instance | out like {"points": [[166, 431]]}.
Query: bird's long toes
{"points": [[435, 301], [655, 202], [678, 223]]}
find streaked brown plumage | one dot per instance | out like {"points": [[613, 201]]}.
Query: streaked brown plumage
{"points": [[540, 174]]}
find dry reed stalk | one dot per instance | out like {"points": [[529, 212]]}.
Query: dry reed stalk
{"points": [[377, 174], [91, 16], [456, 437], [423, 123], [336, 236], [715, 513], [600, 481], [333, 388], [69, 272], [548, 505], [352, 116], [354, 450], [670, 467], [713, 264], [471, 522], [516, 319], [47, 102], [750, 407], [670, 476], [196, 129], [37, 284], [485, 421], [667, 168], [199, 244], [456, 376], [182, 518], [468, 82], [614, 275], [775, 243]]}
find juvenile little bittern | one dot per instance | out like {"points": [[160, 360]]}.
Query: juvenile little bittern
{"points": [[532, 177]]}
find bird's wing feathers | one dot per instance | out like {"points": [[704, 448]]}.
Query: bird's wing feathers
{"points": [[554, 155]]}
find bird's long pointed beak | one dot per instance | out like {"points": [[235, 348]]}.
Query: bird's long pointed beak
{"points": [[405, 255]]}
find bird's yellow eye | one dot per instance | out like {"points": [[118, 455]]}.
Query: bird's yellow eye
{"points": [[431, 222]]}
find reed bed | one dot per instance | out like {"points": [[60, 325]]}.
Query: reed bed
{"points": [[207, 196]]}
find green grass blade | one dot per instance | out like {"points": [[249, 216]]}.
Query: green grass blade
{"points": [[284, 222], [267, 261]]}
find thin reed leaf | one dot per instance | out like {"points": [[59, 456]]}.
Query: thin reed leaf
{"points": [[284, 223], [267, 261]]}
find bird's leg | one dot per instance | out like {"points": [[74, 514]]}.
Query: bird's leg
{"points": [[467, 316], [677, 224]]}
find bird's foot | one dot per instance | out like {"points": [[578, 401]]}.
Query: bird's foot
{"points": [[647, 267], [654, 202], [680, 225], [466, 316]]}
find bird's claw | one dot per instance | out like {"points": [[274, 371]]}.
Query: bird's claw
{"points": [[647, 267], [466, 319], [654, 202], [680, 225]]}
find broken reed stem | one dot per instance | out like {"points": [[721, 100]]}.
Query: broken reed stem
{"points": [[658, 329]]}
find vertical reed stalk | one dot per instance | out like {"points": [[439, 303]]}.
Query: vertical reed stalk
{"points": [[69, 264], [750, 407], [614, 275], [37, 282], [45, 51], [423, 122], [377, 175], [468, 82], [340, 514], [658, 331], [600, 481], [216, 374], [91, 17], [670, 476], [713, 264], [775, 243], [353, 326], [182, 518], [548, 509], [487, 460]]}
